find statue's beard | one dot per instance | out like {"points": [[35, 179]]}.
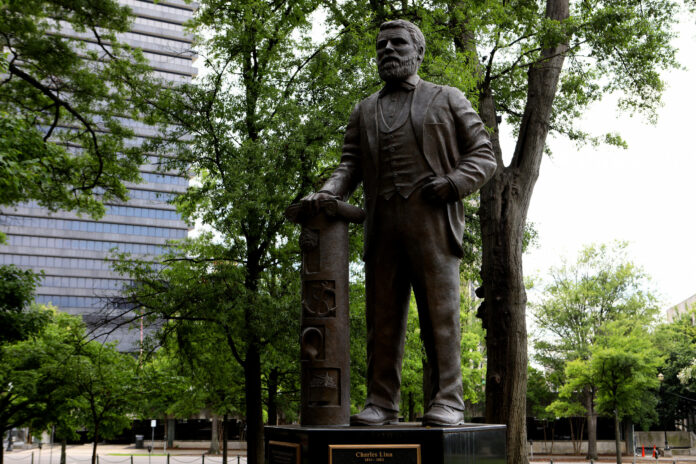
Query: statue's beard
{"points": [[396, 68]]}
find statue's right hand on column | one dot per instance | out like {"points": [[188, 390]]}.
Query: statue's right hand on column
{"points": [[313, 200]]}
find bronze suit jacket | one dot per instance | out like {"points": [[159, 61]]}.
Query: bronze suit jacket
{"points": [[450, 135]]}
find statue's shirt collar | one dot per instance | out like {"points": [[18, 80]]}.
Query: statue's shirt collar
{"points": [[408, 85]]}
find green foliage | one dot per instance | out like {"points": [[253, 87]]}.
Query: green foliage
{"points": [[541, 392], [209, 329], [473, 351], [603, 285], [24, 372], [358, 347], [677, 343], [687, 374], [164, 390], [52, 377], [60, 340], [622, 369], [18, 320], [62, 141], [38, 376], [615, 47], [105, 380], [579, 318]]}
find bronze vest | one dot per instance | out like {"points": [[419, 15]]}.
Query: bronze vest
{"points": [[402, 166]]}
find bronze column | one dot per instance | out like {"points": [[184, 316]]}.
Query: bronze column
{"points": [[325, 333]]}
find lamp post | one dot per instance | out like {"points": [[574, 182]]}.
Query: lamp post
{"points": [[661, 378]]}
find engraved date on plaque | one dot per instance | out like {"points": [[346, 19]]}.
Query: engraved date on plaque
{"points": [[364, 454]]}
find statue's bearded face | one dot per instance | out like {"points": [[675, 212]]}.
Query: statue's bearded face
{"points": [[397, 55]]}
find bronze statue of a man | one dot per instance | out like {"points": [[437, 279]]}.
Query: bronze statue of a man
{"points": [[418, 148]]}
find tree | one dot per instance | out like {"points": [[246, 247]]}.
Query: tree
{"points": [[52, 377], [211, 318], [541, 392], [542, 70], [677, 342], [602, 286], [62, 142], [164, 390], [105, 379], [61, 339], [622, 369], [32, 387]]}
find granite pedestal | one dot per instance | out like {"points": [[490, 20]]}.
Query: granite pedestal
{"points": [[402, 444]]}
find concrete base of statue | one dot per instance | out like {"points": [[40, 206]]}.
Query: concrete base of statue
{"points": [[406, 443]]}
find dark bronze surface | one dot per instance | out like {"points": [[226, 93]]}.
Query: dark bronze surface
{"points": [[280, 452], [464, 444], [418, 149], [325, 338]]}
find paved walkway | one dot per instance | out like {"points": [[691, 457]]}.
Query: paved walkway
{"points": [[117, 454], [563, 459]]}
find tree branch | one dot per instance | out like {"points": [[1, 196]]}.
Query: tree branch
{"points": [[60, 102]]}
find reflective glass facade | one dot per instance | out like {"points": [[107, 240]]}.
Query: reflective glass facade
{"points": [[73, 251]]}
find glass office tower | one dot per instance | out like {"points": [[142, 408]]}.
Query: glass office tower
{"points": [[72, 251]]}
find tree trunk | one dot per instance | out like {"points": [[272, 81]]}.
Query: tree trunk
{"points": [[224, 438], [254, 411], [545, 439], [591, 425], [2, 450], [504, 312], [214, 438], [503, 213], [553, 436], [63, 451], [628, 436], [94, 447], [617, 436], [273, 397], [171, 432]]}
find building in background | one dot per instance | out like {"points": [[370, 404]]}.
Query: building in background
{"points": [[72, 251], [673, 312]]}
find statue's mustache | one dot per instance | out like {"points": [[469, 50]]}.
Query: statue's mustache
{"points": [[394, 61]]}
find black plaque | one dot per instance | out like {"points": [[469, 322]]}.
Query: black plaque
{"points": [[363, 454], [280, 452]]}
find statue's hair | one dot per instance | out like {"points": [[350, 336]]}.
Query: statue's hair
{"points": [[413, 30]]}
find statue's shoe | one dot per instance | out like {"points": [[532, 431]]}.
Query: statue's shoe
{"points": [[374, 415], [443, 415]]}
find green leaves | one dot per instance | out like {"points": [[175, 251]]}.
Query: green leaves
{"points": [[622, 371], [603, 285], [62, 137], [18, 321], [56, 378]]}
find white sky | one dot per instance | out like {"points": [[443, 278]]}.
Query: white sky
{"points": [[644, 195]]}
